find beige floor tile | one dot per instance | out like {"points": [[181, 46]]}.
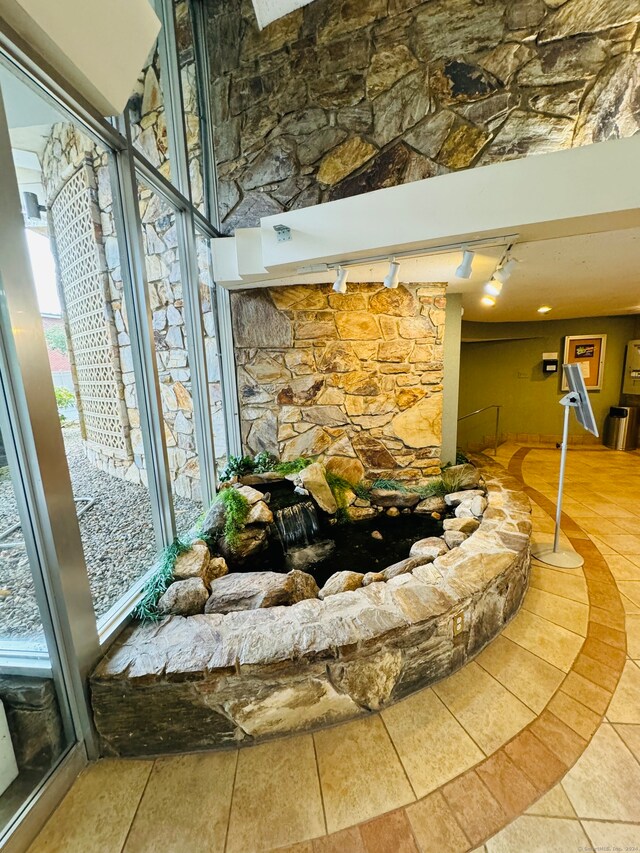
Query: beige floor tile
{"points": [[96, 814], [487, 710], [531, 834], [545, 639], [604, 784], [601, 526], [630, 734], [631, 589], [567, 585], [530, 678], [360, 773], [601, 545], [622, 568], [632, 622], [623, 544], [276, 796], [572, 615], [431, 743], [554, 803], [612, 836], [625, 705], [162, 816], [435, 826]]}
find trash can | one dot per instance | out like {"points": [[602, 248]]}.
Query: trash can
{"points": [[621, 428]]}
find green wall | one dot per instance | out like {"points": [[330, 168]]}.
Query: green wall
{"points": [[509, 372]]}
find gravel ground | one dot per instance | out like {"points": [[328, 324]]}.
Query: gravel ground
{"points": [[117, 534]]}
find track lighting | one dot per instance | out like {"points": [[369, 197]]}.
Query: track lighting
{"points": [[464, 270], [489, 301], [504, 273], [493, 287], [340, 284], [391, 279]]}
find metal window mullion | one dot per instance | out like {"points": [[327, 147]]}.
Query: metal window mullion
{"points": [[230, 399], [197, 355], [145, 370]]}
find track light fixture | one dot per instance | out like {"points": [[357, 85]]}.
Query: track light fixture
{"points": [[391, 279], [493, 287], [464, 270], [488, 301], [340, 284], [504, 273]]}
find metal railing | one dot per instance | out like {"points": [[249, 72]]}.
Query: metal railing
{"points": [[486, 409]]}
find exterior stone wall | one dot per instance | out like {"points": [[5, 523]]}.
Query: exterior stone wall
{"points": [[353, 375], [342, 97], [213, 680]]}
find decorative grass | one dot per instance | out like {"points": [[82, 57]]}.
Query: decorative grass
{"points": [[236, 510], [147, 609], [339, 487], [390, 485], [294, 465]]}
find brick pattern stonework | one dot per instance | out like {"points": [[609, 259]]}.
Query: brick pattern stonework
{"points": [[353, 375], [343, 97]]}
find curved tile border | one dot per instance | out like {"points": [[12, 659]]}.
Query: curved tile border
{"points": [[210, 680]]}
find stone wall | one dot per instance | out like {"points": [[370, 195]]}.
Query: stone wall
{"points": [[355, 375], [343, 97]]}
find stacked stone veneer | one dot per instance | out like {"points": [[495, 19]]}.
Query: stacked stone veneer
{"points": [[209, 680], [356, 374], [342, 97]]}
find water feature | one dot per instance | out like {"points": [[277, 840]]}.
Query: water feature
{"points": [[298, 525]]}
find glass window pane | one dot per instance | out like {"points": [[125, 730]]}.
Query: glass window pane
{"points": [[74, 253], [164, 278], [212, 347], [191, 104], [35, 728]]}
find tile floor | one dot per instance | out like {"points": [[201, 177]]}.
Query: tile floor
{"points": [[534, 746]]}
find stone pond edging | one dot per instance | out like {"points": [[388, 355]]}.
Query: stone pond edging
{"points": [[212, 680]]}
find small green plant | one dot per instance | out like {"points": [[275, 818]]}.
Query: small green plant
{"points": [[237, 466], [64, 399], [56, 338], [461, 458], [264, 462], [293, 466], [236, 510], [362, 491], [433, 488], [389, 485], [452, 480], [156, 586], [339, 488]]}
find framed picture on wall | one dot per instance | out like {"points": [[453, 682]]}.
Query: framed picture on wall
{"points": [[587, 351]]}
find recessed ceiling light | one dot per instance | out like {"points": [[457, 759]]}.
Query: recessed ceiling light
{"points": [[544, 309], [489, 301]]}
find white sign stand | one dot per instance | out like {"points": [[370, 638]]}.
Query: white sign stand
{"points": [[578, 400]]}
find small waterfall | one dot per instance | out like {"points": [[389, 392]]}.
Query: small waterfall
{"points": [[297, 525]]}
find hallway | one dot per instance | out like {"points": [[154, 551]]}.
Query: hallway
{"points": [[533, 746]]}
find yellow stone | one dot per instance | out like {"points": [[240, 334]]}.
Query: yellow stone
{"points": [[420, 425], [462, 146], [357, 325], [344, 159]]}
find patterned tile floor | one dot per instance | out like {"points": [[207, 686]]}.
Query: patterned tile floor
{"points": [[534, 746]]}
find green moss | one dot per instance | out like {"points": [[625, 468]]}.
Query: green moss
{"points": [[293, 466], [156, 586], [236, 510]]}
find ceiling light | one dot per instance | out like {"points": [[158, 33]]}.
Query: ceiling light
{"points": [[464, 270], [489, 301], [493, 287], [505, 272], [340, 284], [391, 279], [544, 309]]}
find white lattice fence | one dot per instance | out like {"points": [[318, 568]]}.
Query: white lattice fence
{"points": [[84, 287]]}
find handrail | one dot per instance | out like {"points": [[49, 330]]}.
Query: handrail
{"points": [[485, 409]]}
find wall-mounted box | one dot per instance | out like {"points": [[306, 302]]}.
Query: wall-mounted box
{"points": [[550, 362], [631, 380]]}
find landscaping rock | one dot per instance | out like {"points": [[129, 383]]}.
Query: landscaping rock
{"points": [[254, 590], [453, 538], [429, 548], [373, 577], [312, 478], [456, 498], [301, 558], [401, 568], [250, 541], [463, 525], [216, 568], [463, 476], [184, 598], [393, 512], [193, 563], [341, 582], [252, 495], [431, 505], [346, 467], [258, 479], [393, 497], [214, 520], [478, 505], [361, 513], [260, 514]]}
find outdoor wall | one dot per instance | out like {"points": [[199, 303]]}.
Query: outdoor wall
{"points": [[343, 97], [509, 372], [353, 375]]}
